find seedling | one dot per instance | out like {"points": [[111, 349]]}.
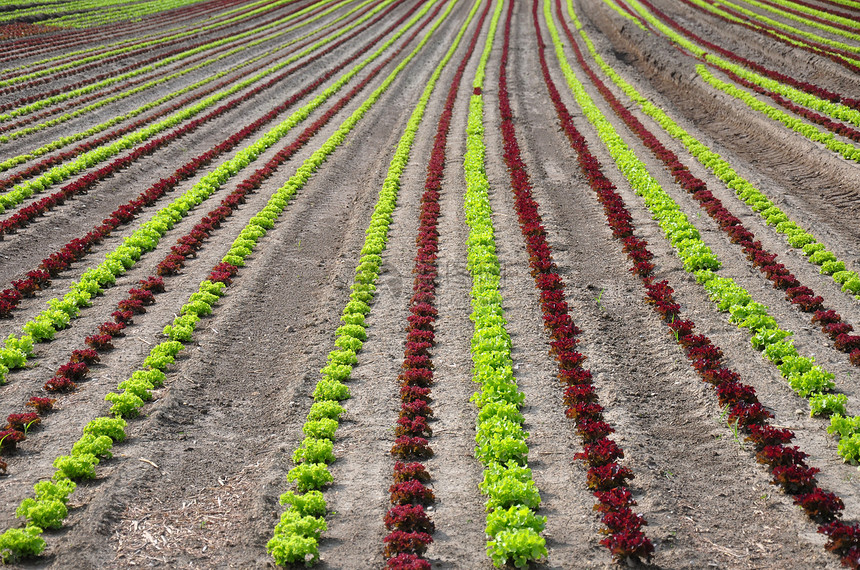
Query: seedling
{"points": [[599, 300]]}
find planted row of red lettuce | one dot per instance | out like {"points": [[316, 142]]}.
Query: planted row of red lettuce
{"points": [[53, 39], [68, 94], [605, 477], [410, 527], [190, 63], [75, 370], [839, 56], [295, 537], [77, 248], [776, 272], [787, 464], [124, 86], [785, 7], [13, 84], [60, 312], [43, 511], [806, 86], [65, 39], [26, 214], [233, 47], [166, 41], [48, 162]]}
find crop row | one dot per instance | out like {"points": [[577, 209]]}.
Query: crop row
{"points": [[76, 369], [512, 495], [112, 56], [799, 295], [60, 95], [42, 512], [797, 237], [158, 79], [802, 9], [90, 145], [97, 155], [829, 140], [408, 523], [28, 213], [778, 82], [77, 248], [296, 535], [787, 464], [138, 32], [45, 325], [807, 380], [813, 18], [826, 48], [803, 376], [605, 477]]}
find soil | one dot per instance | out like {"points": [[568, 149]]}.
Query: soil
{"points": [[197, 481]]}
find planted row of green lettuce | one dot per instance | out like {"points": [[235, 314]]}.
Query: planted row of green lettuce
{"points": [[794, 123], [57, 97], [76, 369], [805, 378], [770, 22], [64, 141], [63, 43], [295, 537], [100, 435], [744, 411], [807, 21], [57, 68], [134, 12], [513, 527], [797, 236], [44, 326], [810, 9], [152, 83], [240, 42], [95, 156], [830, 108]]}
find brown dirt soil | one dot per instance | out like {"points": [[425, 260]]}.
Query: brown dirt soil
{"points": [[196, 484]]}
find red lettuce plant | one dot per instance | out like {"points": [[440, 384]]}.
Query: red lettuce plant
{"points": [[60, 384], [9, 440], [41, 404], [100, 342], [399, 542], [411, 492], [86, 355], [820, 506], [22, 422], [408, 518], [408, 446], [404, 472], [606, 477]]}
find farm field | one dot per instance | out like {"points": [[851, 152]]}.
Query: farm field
{"points": [[430, 283]]}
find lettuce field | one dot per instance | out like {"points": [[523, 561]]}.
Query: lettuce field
{"points": [[418, 284]]}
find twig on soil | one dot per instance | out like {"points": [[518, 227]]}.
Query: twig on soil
{"points": [[722, 549]]}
